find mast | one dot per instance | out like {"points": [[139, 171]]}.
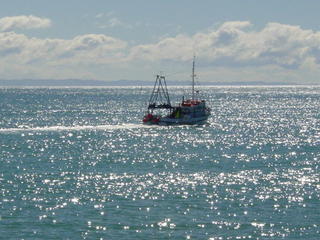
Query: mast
{"points": [[193, 76]]}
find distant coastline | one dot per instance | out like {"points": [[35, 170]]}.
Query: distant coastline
{"points": [[129, 83]]}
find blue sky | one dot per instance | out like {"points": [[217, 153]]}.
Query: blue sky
{"points": [[247, 40]]}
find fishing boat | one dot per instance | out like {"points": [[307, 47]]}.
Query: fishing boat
{"points": [[161, 112]]}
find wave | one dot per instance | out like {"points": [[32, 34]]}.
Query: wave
{"points": [[73, 128]]}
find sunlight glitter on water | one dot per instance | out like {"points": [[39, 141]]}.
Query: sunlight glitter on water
{"points": [[72, 128], [251, 172]]}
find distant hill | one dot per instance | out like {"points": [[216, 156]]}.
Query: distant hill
{"points": [[138, 83], [66, 82], [72, 82]]}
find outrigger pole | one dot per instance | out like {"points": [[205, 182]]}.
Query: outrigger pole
{"points": [[160, 96]]}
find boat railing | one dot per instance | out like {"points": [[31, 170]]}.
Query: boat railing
{"points": [[163, 106]]}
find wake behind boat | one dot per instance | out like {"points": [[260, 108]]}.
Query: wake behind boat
{"points": [[161, 112]]}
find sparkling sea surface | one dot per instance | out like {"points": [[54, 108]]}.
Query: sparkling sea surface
{"points": [[76, 163]]}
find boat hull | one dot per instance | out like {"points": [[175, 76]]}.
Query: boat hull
{"points": [[182, 121]]}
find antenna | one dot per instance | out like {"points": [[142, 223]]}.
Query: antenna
{"points": [[193, 75]]}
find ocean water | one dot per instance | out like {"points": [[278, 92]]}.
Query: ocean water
{"points": [[76, 163]]}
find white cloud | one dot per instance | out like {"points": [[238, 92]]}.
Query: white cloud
{"points": [[109, 20], [113, 22], [235, 44], [105, 14], [23, 22], [25, 57], [99, 15], [284, 48], [91, 48], [92, 42]]}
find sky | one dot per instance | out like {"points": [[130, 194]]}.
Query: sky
{"points": [[275, 41]]}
